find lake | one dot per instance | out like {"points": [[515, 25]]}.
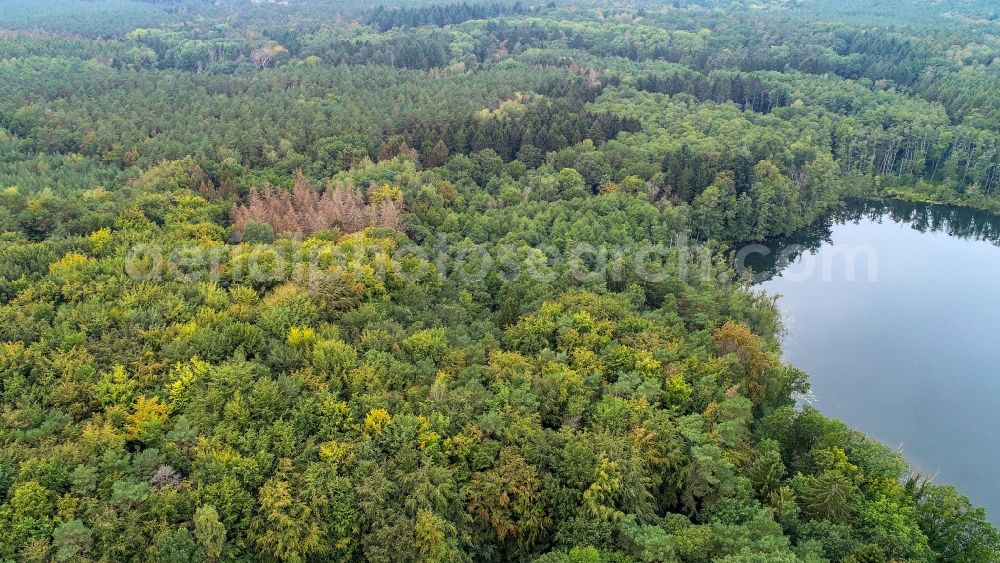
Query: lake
{"points": [[894, 311]]}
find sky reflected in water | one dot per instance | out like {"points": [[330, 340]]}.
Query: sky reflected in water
{"points": [[913, 357]]}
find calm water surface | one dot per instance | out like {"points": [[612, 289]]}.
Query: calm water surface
{"points": [[907, 346]]}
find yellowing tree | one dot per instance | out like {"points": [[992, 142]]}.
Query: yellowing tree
{"points": [[149, 421], [735, 338]]}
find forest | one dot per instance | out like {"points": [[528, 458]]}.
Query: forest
{"points": [[453, 281]]}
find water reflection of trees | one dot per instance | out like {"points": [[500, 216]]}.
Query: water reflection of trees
{"points": [[782, 251], [955, 221], [958, 222]]}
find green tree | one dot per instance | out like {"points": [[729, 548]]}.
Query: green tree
{"points": [[287, 527], [178, 547], [209, 532], [867, 554], [829, 496], [774, 201], [71, 540], [955, 530], [767, 470], [258, 233]]}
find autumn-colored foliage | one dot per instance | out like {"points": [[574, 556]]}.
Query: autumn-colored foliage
{"points": [[736, 338], [305, 210]]}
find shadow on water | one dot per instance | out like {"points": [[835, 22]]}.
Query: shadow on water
{"points": [[959, 222]]}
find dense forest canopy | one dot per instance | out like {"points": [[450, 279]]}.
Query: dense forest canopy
{"points": [[432, 281]]}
